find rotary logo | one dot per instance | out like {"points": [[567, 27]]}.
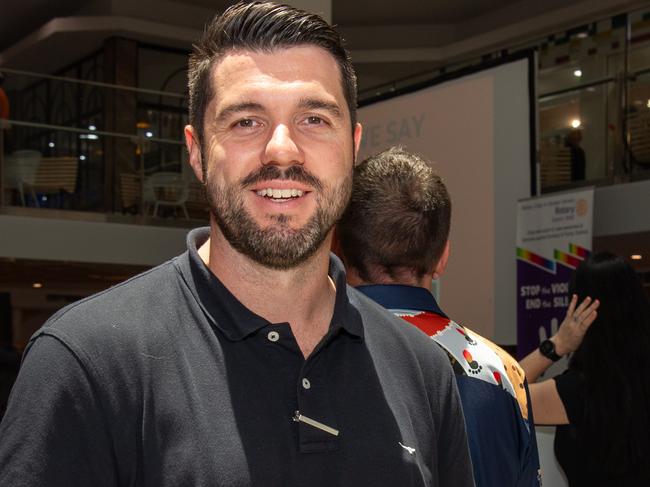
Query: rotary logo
{"points": [[582, 207]]}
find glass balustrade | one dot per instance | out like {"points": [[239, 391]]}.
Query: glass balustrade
{"points": [[72, 145]]}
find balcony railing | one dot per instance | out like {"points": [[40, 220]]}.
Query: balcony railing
{"points": [[97, 148]]}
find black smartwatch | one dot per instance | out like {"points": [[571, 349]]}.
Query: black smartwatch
{"points": [[547, 348]]}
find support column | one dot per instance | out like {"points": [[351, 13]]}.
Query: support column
{"points": [[120, 106]]}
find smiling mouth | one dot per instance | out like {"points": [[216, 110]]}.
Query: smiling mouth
{"points": [[280, 194]]}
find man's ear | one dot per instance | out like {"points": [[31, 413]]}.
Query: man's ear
{"points": [[194, 150], [356, 137], [440, 267]]}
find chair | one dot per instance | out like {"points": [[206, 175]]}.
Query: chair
{"points": [[555, 164], [57, 176], [20, 172], [639, 139], [166, 189], [130, 191]]}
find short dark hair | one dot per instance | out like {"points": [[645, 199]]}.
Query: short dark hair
{"points": [[399, 216], [262, 26]]}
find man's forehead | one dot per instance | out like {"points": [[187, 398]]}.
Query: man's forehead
{"points": [[303, 61], [242, 73]]}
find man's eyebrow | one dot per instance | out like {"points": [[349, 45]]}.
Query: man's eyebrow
{"points": [[317, 104], [230, 110]]}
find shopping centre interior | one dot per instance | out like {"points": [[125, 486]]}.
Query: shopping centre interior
{"points": [[94, 181]]}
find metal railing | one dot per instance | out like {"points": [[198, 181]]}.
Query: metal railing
{"points": [[93, 156]]}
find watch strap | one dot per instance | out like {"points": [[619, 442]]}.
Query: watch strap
{"points": [[547, 348]]}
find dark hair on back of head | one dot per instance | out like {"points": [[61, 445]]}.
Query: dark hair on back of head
{"points": [[398, 218], [261, 26], [613, 359]]}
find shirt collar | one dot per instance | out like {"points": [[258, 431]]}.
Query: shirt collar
{"points": [[399, 296], [230, 316]]}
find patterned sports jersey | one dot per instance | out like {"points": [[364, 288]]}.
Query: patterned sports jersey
{"points": [[492, 386]]}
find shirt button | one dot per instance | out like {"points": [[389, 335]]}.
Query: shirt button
{"points": [[273, 336], [306, 384]]}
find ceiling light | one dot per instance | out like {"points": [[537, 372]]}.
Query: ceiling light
{"points": [[575, 123], [149, 134], [92, 127], [82, 157], [577, 73], [51, 144], [636, 257], [582, 35], [37, 285]]}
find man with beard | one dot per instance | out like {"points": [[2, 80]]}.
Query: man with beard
{"points": [[246, 360]]}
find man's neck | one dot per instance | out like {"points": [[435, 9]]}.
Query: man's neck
{"points": [[403, 276], [303, 296]]}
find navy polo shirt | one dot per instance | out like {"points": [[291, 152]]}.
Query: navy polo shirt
{"points": [[168, 380]]}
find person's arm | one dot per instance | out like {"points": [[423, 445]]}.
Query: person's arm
{"points": [[567, 339], [54, 431], [547, 405]]}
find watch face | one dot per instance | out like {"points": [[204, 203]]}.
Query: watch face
{"points": [[547, 347]]}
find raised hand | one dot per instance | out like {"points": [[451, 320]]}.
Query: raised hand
{"points": [[576, 323]]}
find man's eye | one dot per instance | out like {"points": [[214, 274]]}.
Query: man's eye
{"points": [[314, 120], [246, 123]]}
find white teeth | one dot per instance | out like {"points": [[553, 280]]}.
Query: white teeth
{"points": [[280, 193]]}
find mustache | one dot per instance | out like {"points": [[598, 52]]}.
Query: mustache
{"points": [[293, 173]]}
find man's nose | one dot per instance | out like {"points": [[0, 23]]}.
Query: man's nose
{"points": [[281, 149]]}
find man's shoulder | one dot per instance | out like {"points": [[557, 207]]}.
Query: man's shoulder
{"points": [[508, 361], [383, 329], [480, 355], [378, 319], [472, 338], [121, 309]]}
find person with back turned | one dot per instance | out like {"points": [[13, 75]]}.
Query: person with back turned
{"points": [[394, 239]]}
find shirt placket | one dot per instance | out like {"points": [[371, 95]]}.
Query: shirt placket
{"points": [[318, 429]]}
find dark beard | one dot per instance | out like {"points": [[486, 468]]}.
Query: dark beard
{"points": [[278, 246]]}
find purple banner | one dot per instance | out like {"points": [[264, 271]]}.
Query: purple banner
{"points": [[542, 303], [553, 237]]}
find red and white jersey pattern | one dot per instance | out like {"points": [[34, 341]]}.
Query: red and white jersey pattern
{"points": [[478, 357]]}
